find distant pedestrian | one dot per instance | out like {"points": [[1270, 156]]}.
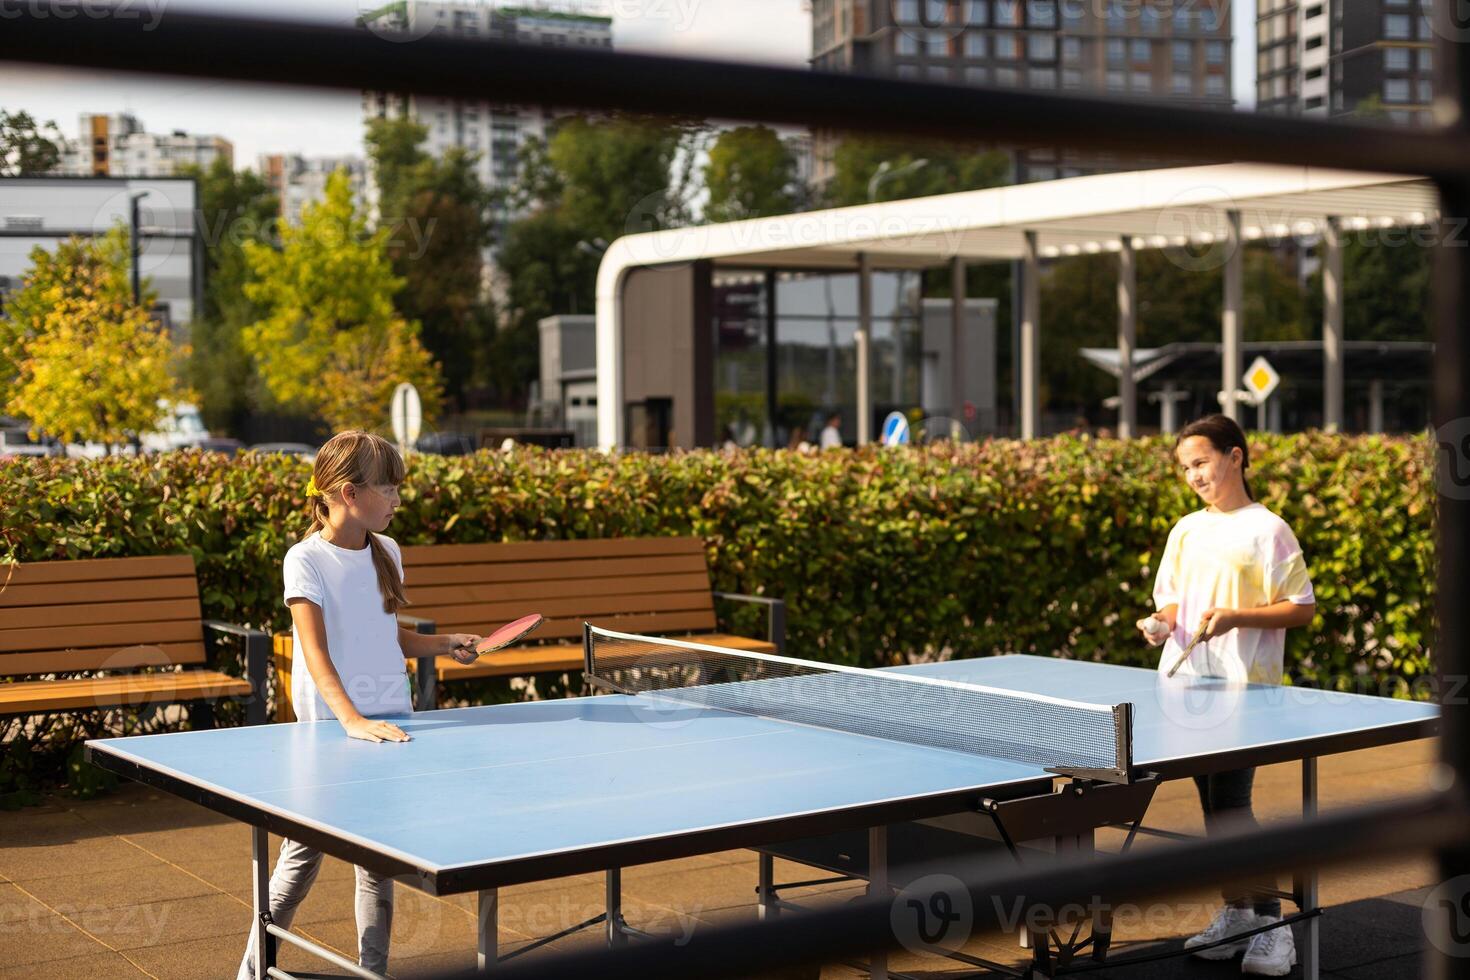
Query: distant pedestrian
{"points": [[832, 432]]}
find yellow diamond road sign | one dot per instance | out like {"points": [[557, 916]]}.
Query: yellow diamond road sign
{"points": [[1261, 379]]}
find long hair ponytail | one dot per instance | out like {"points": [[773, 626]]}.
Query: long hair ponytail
{"points": [[362, 459]]}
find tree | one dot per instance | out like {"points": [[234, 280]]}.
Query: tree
{"points": [[1386, 276], [25, 147], [438, 215], [331, 342], [750, 173], [82, 361], [233, 208], [593, 182], [618, 176], [945, 170]]}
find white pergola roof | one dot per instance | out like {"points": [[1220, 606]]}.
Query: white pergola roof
{"points": [[1075, 216]]}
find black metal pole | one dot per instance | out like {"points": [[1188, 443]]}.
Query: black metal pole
{"points": [[772, 406], [135, 247], [355, 58], [1452, 422]]}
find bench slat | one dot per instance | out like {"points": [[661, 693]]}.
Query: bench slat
{"points": [[532, 592], [112, 636], [550, 571], [121, 591], [597, 606], [516, 551], [192, 685], [99, 570], [101, 658], [99, 613]]}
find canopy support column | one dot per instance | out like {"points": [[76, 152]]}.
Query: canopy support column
{"points": [[1127, 336], [863, 342], [1230, 325], [1031, 340], [1332, 370], [957, 338]]}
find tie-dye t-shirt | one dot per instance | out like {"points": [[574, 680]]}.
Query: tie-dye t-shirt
{"points": [[1243, 559]]}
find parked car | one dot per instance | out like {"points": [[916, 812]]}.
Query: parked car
{"points": [[301, 449], [180, 426], [16, 440], [445, 444], [231, 447]]}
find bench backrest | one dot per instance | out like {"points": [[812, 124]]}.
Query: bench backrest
{"points": [[100, 614], [638, 585]]}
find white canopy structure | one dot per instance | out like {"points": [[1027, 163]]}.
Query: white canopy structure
{"points": [[1206, 210]]}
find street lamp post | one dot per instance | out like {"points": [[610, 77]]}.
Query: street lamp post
{"points": [[137, 245], [885, 171]]}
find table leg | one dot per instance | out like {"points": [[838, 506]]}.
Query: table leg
{"points": [[767, 908], [260, 879], [487, 943], [878, 886], [1309, 954], [615, 934]]}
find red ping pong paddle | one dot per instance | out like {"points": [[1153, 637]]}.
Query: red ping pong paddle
{"points": [[509, 633]]}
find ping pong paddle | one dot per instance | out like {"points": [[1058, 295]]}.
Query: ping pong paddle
{"points": [[508, 634], [1187, 650]]}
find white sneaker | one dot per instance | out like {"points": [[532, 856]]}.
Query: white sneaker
{"points": [[1229, 921], [1272, 953]]}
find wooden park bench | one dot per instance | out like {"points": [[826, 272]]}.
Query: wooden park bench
{"points": [[119, 616], [637, 585]]}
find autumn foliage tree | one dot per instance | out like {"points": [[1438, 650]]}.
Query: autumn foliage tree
{"points": [[331, 342], [78, 358]]}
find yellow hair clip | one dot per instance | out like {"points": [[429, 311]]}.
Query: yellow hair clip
{"points": [[311, 490]]}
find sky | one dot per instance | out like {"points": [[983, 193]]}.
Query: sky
{"points": [[273, 119]]}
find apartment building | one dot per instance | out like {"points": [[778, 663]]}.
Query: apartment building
{"points": [[1170, 49], [116, 145], [1329, 58], [298, 181], [495, 132]]}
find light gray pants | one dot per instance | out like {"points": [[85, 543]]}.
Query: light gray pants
{"points": [[296, 869]]}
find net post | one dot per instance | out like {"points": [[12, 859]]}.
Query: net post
{"points": [[587, 648]]}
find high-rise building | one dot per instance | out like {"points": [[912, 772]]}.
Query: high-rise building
{"points": [[116, 145], [495, 132], [1335, 58], [298, 181], [1170, 49]]}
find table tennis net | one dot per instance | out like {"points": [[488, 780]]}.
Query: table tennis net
{"points": [[675, 675]]}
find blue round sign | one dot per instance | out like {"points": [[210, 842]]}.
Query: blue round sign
{"points": [[896, 429]]}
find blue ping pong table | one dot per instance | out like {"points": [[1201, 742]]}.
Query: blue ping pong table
{"points": [[485, 797]]}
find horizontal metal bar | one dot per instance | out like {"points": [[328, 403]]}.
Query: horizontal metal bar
{"points": [[814, 881], [335, 959], [354, 58]]}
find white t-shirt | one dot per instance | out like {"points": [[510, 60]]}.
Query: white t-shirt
{"points": [[831, 437], [1244, 559], [362, 639]]}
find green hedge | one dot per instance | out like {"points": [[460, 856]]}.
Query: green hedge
{"points": [[882, 555]]}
